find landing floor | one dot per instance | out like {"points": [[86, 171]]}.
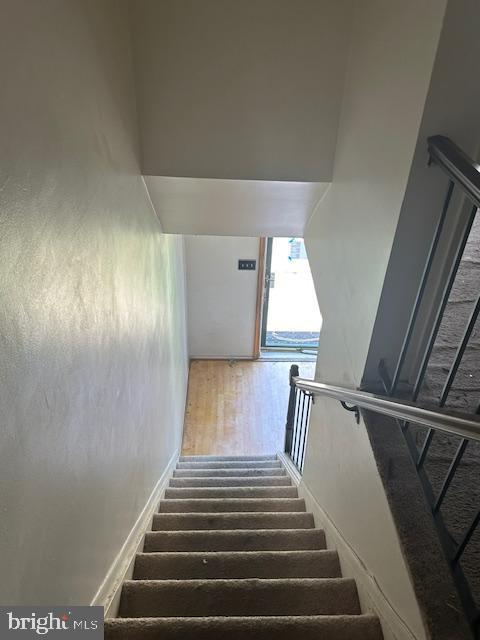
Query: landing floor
{"points": [[237, 407]]}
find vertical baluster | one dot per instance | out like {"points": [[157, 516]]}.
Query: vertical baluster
{"points": [[426, 445], [466, 538], [460, 351], [300, 425], [305, 432], [436, 327], [451, 375], [289, 426], [295, 423], [451, 472], [440, 311], [420, 293]]}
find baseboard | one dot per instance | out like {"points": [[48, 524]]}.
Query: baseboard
{"points": [[372, 598], [222, 358], [121, 569]]}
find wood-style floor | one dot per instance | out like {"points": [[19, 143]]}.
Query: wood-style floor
{"points": [[237, 407]]}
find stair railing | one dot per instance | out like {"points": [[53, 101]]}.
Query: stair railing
{"points": [[298, 416], [451, 422], [466, 426], [463, 177]]}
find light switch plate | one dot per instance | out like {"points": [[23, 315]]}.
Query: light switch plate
{"points": [[247, 265]]}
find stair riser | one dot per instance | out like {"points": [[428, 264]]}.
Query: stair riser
{"points": [[228, 473], [244, 464], [280, 481], [239, 598], [245, 540], [234, 504], [230, 492], [201, 521], [225, 565], [265, 628]]}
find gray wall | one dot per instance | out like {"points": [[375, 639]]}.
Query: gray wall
{"points": [[92, 327], [240, 89]]}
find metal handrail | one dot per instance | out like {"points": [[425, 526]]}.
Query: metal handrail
{"points": [[446, 421], [462, 169]]}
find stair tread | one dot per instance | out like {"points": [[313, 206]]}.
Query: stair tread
{"points": [[236, 584], [231, 504], [230, 492], [237, 564], [233, 481], [236, 520], [231, 540], [293, 554], [206, 458], [225, 473], [251, 596], [339, 627], [229, 464]]}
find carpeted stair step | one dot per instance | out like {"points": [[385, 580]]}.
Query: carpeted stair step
{"points": [[361, 627], [258, 520], [182, 493], [296, 596], [236, 564], [225, 458], [233, 554], [237, 472], [263, 481], [231, 504], [240, 464], [236, 540]]}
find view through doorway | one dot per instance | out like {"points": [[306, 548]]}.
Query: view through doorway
{"points": [[291, 318]]}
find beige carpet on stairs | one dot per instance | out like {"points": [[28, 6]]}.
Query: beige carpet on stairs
{"points": [[233, 554]]}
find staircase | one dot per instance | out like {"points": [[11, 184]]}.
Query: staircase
{"points": [[233, 554]]}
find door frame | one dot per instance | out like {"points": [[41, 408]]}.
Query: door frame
{"points": [[266, 290], [259, 302], [263, 286]]}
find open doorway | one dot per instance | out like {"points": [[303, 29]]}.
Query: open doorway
{"points": [[291, 317]]}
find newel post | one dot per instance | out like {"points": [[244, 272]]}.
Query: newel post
{"points": [[291, 409]]}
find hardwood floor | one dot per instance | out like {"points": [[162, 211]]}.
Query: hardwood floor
{"points": [[237, 407]]}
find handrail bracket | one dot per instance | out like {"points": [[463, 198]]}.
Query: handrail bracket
{"points": [[354, 408]]}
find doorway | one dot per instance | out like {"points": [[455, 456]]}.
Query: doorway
{"points": [[291, 317]]}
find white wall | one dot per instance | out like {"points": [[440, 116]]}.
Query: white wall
{"points": [[348, 241], [220, 299], [251, 208], [243, 90], [92, 322]]}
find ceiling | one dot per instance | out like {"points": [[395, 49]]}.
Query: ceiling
{"points": [[233, 207], [243, 90]]}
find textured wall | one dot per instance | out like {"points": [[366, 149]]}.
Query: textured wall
{"points": [[92, 327]]}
